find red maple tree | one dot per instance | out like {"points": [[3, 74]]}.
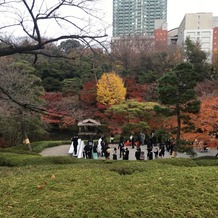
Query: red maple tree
{"points": [[56, 113], [89, 93]]}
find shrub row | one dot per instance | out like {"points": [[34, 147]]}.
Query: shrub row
{"points": [[12, 159], [37, 147], [122, 167]]}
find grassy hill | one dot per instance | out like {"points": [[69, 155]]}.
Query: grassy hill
{"points": [[35, 186]]}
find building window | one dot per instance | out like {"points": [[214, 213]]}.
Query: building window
{"points": [[205, 45], [205, 33]]}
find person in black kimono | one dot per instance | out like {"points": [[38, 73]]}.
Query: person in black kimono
{"points": [[75, 143]]}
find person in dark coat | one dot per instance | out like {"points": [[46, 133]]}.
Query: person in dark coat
{"points": [[126, 154], [121, 144], [107, 151], [149, 145], [104, 145], [90, 147], [138, 153], [121, 147], [88, 150], [75, 143]]}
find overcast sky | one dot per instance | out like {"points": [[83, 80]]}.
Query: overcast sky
{"points": [[101, 20], [176, 10]]}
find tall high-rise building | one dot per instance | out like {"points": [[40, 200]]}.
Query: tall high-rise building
{"points": [[137, 17]]}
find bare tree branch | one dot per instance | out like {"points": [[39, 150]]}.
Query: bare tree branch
{"points": [[30, 107], [71, 18]]}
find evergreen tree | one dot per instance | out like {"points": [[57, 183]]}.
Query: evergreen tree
{"points": [[176, 90], [20, 92], [131, 115], [199, 59]]}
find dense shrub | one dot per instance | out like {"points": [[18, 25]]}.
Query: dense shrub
{"points": [[37, 147], [12, 159]]}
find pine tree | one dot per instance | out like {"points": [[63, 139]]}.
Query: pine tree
{"points": [[196, 56], [176, 90]]}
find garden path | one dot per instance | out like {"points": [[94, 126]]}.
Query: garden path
{"points": [[62, 150]]}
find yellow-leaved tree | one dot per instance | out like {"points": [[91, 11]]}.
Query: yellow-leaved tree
{"points": [[110, 89]]}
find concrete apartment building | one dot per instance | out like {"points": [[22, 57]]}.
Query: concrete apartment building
{"points": [[147, 19], [200, 27]]}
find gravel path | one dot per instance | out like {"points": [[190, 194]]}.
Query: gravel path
{"points": [[62, 150]]}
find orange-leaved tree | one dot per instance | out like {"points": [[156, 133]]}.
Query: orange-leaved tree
{"points": [[204, 123], [110, 89]]}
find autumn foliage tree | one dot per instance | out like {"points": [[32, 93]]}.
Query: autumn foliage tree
{"points": [[88, 93], [55, 113], [134, 90], [64, 112], [205, 123], [110, 89]]}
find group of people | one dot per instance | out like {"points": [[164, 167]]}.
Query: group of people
{"points": [[155, 147], [94, 150], [201, 145], [102, 149], [124, 151]]}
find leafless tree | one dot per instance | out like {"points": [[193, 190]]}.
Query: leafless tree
{"points": [[43, 22], [139, 54]]}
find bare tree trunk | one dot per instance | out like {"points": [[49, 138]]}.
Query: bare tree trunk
{"points": [[93, 68], [178, 125], [26, 140]]}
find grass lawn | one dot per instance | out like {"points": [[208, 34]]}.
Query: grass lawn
{"points": [[35, 186]]}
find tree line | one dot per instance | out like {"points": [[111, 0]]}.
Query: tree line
{"points": [[47, 86]]}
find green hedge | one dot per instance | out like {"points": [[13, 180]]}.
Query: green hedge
{"points": [[37, 147], [122, 167], [12, 159]]}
